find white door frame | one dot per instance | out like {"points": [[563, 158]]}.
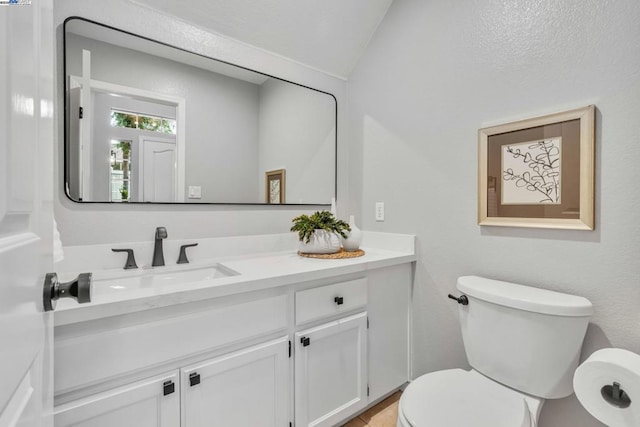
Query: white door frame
{"points": [[146, 95]]}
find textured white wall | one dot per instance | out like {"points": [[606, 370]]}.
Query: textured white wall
{"points": [[434, 73], [100, 223]]}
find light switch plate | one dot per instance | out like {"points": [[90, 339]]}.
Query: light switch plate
{"points": [[195, 192]]}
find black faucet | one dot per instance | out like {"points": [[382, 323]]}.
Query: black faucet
{"points": [[158, 255]]}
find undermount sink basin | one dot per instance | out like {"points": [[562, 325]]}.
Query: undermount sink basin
{"points": [[159, 277]]}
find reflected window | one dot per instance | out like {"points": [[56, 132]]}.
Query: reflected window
{"points": [[127, 119]]}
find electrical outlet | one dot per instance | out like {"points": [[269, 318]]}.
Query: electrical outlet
{"points": [[379, 211]]}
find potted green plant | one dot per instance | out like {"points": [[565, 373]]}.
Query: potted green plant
{"points": [[319, 233]]}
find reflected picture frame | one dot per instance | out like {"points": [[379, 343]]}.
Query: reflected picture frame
{"points": [[539, 172], [275, 187]]}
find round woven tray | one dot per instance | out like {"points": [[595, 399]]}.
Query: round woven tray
{"points": [[342, 254]]}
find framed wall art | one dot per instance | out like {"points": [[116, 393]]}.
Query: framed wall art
{"points": [[538, 172], [275, 186]]}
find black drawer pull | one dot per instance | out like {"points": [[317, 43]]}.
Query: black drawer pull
{"points": [[339, 300], [168, 387], [194, 379]]}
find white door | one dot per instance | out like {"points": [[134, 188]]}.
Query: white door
{"points": [[26, 147], [157, 170], [331, 371], [154, 402], [245, 388]]}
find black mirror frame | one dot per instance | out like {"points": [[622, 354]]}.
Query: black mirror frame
{"points": [[66, 123]]}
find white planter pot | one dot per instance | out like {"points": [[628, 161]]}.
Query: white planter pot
{"points": [[321, 242]]}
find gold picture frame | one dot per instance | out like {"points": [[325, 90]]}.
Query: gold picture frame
{"points": [[275, 186], [538, 172]]}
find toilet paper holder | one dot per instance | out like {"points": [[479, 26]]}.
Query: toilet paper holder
{"points": [[615, 396]]}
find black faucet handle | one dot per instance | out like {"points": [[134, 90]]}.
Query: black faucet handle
{"points": [[131, 259], [182, 258]]}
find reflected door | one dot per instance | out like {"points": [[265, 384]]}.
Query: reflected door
{"points": [[158, 170], [74, 166]]}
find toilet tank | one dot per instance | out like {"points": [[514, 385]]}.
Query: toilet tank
{"points": [[526, 338]]}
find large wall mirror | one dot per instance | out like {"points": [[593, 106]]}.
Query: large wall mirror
{"points": [[149, 123]]}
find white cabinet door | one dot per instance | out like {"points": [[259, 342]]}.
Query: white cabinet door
{"points": [[149, 403], [389, 311], [245, 388], [331, 371]]}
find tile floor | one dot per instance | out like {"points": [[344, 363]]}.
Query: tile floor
{"points": [[384, 414]]}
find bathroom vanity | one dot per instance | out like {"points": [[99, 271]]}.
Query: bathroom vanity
{"points": [[271, 339], [247, 334]]}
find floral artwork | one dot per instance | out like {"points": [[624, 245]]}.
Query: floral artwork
{"points": [[539, 172], [531, 172], [274, 191], [275, 186]]}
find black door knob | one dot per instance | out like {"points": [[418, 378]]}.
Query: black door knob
{"points": [[78, 289]]}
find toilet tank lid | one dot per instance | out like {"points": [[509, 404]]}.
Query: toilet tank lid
{"points": [[524, 297]]}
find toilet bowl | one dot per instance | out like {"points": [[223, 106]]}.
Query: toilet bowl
{"points": [[457, 398], [523, 345]]}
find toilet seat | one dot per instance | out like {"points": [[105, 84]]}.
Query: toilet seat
{"points": [[459, 398]]}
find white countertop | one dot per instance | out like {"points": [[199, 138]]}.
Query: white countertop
{"points": [[257, 271]]}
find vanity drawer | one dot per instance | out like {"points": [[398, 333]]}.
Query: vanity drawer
{"points": [[324, 301], [87, 359]]}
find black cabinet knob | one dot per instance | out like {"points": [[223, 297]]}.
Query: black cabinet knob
{"points": [[339, 300]]}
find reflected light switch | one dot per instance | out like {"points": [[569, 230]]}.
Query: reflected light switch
{"points": [[195, 192]]}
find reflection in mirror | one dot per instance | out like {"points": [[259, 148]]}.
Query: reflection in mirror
{"points": [[149, 123]]}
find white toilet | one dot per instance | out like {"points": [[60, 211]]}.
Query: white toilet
{"points": [[523, 344]]}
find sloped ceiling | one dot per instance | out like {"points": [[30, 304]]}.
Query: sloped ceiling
{"points": [[329, 35]]}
